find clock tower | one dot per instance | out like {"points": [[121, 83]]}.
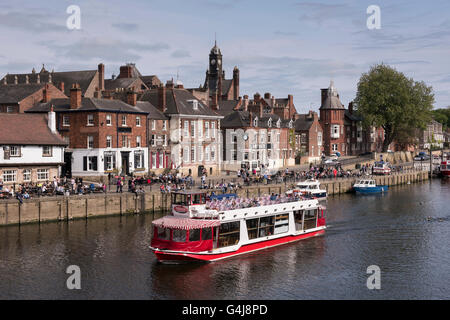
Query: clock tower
{"points": [[215, 74]]}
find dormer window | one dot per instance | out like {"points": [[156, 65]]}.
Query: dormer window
{"points": [[291, 124], [194, 104], [278, 123], [269, 123], [255, 122]]}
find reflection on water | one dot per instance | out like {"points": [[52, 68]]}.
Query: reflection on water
{"points": [[405, 232]]}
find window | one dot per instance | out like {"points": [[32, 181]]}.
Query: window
{"points": [[90, 142], [90, 119], [206, 234], [200, 129], [110, 161], [269, 138], [14, 151], [153, 124], [153, 140], [42, 174], [228, 234], [161, 160], [255, 122], [213, 129], [90, 163], [192, 129], [67, 140], [138, 121], [124, 141], [194, 235], [200, 153], [192, 154], [186, 154], [163, 233], [124, 121], [179, 235], [281, 223], [310, 218], [164, 125], [108, 120], [109, 141], [66, 121], [207, 129], [319, 138], [335, 131], [334, 147], [138, 159], [9, 109], [213, 153], [138, 141], [26, 175], [165, 140], [207, 153], [153, 160], [186, 128], [269, 123], [47, 151], [9, 175], [234, 155]]}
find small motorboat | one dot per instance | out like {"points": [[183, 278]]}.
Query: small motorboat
{"points": [[368, 186]]}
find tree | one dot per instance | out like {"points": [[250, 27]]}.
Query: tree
{"points": [[387, 98], [442, 116]]}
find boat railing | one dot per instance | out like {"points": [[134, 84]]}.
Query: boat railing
{"points": [[242, 203]]}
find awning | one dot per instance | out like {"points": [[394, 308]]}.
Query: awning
{"points": [[185, 223]]}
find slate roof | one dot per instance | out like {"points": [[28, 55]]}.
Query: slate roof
{"points": [[148, 80], [227, 106], [27, 129], [83, 78], [119, 83], [226, 85], [239, 119], [14, 93], [87, 104], [303, 123], [153, 112], [352, 116], [177, 102]]}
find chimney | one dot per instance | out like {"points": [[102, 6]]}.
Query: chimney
{"points": [[350, 107], [256, 97], [125, 71], [236, 82], [52, 120], [132, 97], [169, 84], [46, 94], [27, 79], [101, 77], [246, 103], [250, 117], [162, 99], [214, 102], [75, 96], [260, 110], [61, 86], [267, 95], [324, 94], [239, 103]]}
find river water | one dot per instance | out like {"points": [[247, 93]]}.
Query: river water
{"points": [[405, 232]]}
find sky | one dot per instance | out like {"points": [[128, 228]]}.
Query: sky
{"points": [[281, 47]]}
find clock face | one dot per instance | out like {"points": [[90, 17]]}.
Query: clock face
{"points": [[219, 62], [213, 62], [245, 137]]}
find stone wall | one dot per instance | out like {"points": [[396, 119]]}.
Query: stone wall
{"points": [[82, 207]]}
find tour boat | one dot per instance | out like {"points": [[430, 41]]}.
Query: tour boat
{"points": [[368, 186], [310, 187], [201, 229], [381, 167], [445, 168]]}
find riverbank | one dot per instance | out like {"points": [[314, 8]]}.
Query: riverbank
{"points": [[83, 207]]}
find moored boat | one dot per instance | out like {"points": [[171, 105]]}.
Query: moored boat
{"points": [[382, 168], [369, 186], [311, 188], [202, 229], [445, 168]]}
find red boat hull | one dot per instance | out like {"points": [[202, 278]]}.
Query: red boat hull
{"points": [[164, 256]]}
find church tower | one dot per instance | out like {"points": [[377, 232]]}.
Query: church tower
{"points": [[215, 74]]}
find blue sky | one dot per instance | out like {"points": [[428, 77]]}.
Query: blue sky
{"points": [[281, 47]]}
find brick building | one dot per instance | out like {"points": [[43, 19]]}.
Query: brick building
{"points": [[194, 138], [309, 138], [17, 98], [104, 135]]}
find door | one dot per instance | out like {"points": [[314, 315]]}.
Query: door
{"points": [[66, 170], [125, 163]]}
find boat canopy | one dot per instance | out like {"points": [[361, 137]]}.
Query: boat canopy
{"points": [[185, 223]]}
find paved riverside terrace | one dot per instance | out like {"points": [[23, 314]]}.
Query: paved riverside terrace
{"points": [[61, 208]]}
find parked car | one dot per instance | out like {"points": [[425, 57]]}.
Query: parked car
{"points": [[422, 156]]}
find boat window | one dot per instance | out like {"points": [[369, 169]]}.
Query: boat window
{"points": [[179, 199], [229, 234], [179, 235], [371, 182], [198, 199], [281, 223], [252, 228], [194, 235], [163, 233], [266, 226], [206, 234], [310, 218], [298, 217]]}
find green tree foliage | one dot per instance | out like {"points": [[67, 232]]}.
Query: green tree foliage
{"points": [[387, 98], [442, 116]]}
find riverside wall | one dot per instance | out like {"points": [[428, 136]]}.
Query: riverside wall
{"points": [[62, 208]]}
